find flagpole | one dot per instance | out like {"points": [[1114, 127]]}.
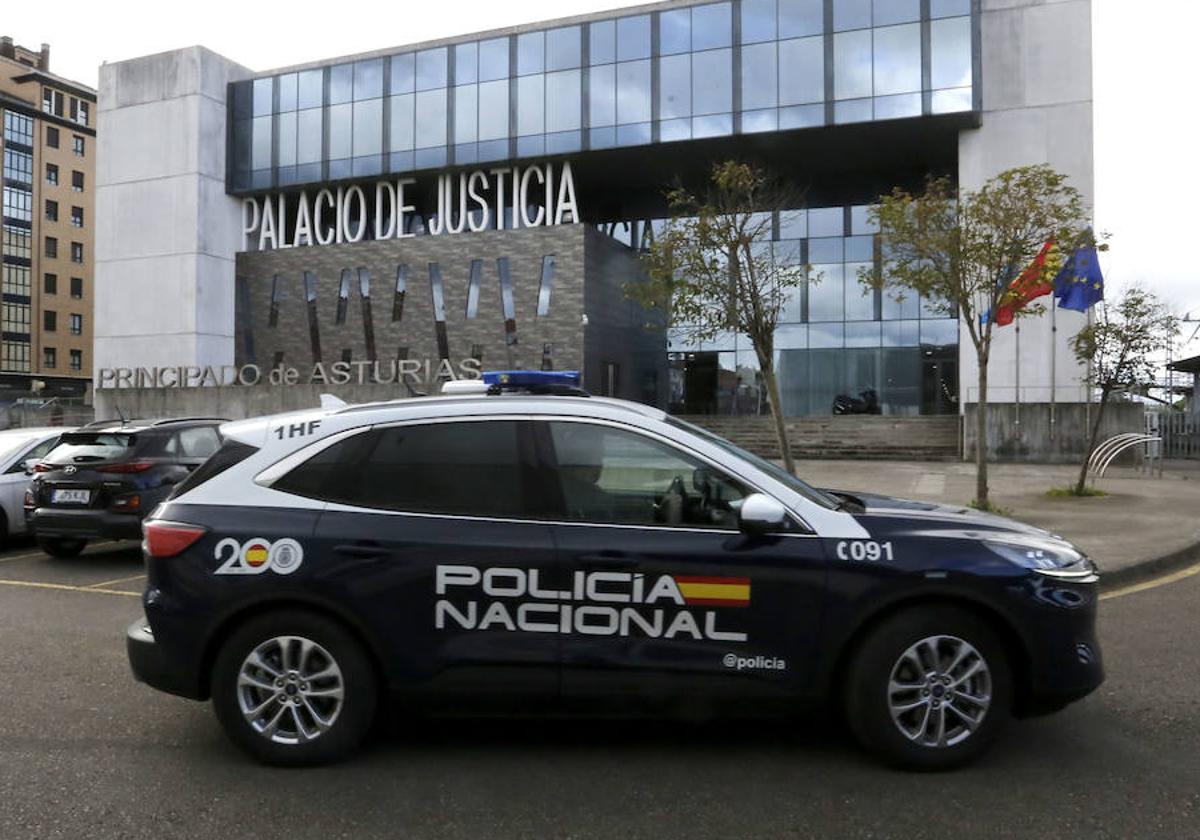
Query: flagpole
{"points": [[1088, 390], [1017, 364], [1053, 354]]}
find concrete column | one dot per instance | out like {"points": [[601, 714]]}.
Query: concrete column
{"points": [[1037, 108], [166, 232]]}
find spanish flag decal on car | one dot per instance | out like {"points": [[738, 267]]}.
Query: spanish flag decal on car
{"points": [[256, 554], [714, 591]]}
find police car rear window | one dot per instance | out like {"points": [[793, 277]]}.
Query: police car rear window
{"points": [[231, 453]]}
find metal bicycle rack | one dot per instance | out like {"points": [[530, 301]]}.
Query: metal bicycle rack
{"points": [[1107, 452]]}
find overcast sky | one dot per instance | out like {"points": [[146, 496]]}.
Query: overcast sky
{"points": [[1147, 180]]}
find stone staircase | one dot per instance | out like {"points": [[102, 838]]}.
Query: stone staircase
{"points": [[864, 437]]}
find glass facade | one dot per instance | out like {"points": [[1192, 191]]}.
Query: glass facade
{"points": [[707, 70], [663, 75], [836, 336]]}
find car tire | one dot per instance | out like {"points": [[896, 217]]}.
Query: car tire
{"points": [[61, 547], [269, 694], [923, 667]]}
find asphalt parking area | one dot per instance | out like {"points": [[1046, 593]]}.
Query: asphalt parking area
{"points": [[85, 751], [112, 569]]}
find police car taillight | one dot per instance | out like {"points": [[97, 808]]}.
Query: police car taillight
{"points": [[167, 539]]}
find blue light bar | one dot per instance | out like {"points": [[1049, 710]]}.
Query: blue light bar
{"points": [[531, 378]]}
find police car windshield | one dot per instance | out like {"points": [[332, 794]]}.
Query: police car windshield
{"points": [[769, 467]]}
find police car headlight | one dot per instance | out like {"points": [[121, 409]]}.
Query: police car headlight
{"points": [[1048, 558]]}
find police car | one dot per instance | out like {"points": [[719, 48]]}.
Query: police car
{"points": [[551, 550]]}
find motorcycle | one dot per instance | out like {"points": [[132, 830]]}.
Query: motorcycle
{"points": [[866, 403]]}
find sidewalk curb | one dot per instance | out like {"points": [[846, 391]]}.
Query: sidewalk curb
{"points": [[1154, 567]]}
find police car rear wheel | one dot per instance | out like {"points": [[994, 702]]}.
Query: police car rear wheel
{"points": [[294, 689], [929, 688]]}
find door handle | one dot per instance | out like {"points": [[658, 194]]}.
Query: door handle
{"points": [[363, 550], [609, 560]]}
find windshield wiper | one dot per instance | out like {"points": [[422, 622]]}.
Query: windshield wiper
{"points": [[846, 502]]}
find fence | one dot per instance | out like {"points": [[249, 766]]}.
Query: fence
{"points": [[26, 413], [1180, 432]]}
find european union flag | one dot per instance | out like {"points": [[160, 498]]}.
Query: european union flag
{"points": [[1079, 285]]}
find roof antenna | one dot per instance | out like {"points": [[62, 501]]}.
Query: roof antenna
{"points": [[117, 406]]}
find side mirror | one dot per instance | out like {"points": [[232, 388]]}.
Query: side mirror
{"points": [[29, 464], [760, 514]]}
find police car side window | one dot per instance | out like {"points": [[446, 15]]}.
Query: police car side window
{"points": [[467, 468], [332, 474], [462, 468], [609, 475]]}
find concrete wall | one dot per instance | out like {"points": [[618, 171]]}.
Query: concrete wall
{"points": [[232, 402], [166, 232], [1036, 78], [1026, 433]]}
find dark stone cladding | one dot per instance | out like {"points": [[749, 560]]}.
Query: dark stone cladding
{"points": [[590, 270]]}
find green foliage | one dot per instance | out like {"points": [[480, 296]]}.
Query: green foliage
{"points": [[1119, 347], [1074, 492], [959, 249], [711, 269], [1121, 343]]}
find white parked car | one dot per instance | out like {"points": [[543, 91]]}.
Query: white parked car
{"points": [[17, 447]]}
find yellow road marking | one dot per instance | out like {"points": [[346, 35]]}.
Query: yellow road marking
{"points": [[118, 580], [33, 584], [28, 556], [1153, 584]]}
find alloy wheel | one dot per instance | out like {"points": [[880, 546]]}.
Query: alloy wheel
{"points": [[939, 691], [290, 690]]}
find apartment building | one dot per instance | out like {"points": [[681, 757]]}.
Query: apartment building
{"points": [[48, 218]]}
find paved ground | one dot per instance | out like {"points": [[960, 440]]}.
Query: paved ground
{"points": [[86, 752], [1141, 518]]}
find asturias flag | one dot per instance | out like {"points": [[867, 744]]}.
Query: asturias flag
{"points": [[1080, 285], [1032, 284]]}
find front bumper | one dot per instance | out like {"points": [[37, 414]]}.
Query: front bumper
{"points": [[152, 667], [1064, 659], [84, 524]]}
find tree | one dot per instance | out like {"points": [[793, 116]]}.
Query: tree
{"points": [[711, 269], [1120, 346], [960, 249]]}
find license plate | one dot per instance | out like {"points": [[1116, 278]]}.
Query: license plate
{"points": [[72, 497]]}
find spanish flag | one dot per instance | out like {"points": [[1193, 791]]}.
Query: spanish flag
{"points": [[714, 591]]}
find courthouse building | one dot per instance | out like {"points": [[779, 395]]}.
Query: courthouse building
{"points": [[474, 202]]}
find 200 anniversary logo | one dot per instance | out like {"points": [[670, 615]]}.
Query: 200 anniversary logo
{"points": [[594, 603]]}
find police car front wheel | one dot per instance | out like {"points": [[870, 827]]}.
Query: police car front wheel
{"points": [[929, 688], [294, 688]]}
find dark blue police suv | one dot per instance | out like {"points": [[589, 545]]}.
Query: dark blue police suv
{"points": [[575, 554]]}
